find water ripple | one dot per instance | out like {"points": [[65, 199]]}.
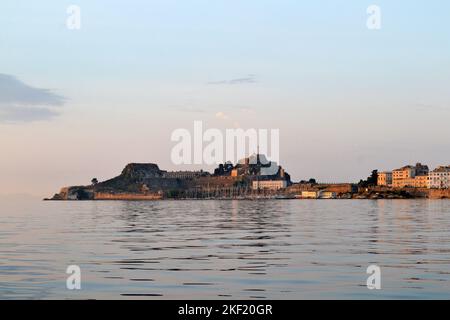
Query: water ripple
{"points": [[225, 249]]}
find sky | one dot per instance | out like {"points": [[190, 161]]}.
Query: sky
{"points": [[78, 104]]}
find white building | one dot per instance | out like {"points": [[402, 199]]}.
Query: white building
{"points": [[269, 185], [318, 195], [310, 194], [328, 195], [439, 178]]}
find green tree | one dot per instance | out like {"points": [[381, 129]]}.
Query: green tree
{"points": [[371, 181]]}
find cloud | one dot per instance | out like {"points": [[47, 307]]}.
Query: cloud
{"points": [[225, 117], [20, 102], [221, 115], [251, 78]]}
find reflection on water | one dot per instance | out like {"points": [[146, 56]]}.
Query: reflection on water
{"points": [[225, 249]]}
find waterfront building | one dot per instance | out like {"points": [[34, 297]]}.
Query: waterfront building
{"points": [[385, 179], [318, 195], [398, 175], [421, 181], [327, 195], [411, 176], [310, 194], [439, 178], [269, 184], [422, 170], [416, 182]]}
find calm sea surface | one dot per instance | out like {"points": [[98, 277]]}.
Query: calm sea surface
{"points": [[225, 249]]}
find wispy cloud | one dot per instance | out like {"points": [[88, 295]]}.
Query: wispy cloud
{"points": [[251, 78], [222, 115], [20, 102], [227, 118], [429, 107]]}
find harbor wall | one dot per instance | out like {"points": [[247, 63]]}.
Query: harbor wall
{"points": [[126, 196]]}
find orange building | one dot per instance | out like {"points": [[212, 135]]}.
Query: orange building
{"points": [[400, 175], [384, 179], [416, 182], [421, 181], [411, 176]]}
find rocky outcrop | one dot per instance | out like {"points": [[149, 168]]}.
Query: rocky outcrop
{"points": [[74, 193], [141, 171], [136, 177], [137, 181]]}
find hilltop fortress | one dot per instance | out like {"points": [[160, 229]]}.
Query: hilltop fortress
{"points": [[146, 181]]}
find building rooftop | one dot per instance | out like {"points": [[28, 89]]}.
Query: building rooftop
{"points": [[442, 169]]}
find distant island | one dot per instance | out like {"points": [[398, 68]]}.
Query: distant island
{"points": [[257, 178]]}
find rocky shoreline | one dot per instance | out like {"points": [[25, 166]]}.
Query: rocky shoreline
{"points": [[89, 193]]}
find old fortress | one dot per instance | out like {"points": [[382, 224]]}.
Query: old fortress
{"points": [[256, 177]]}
